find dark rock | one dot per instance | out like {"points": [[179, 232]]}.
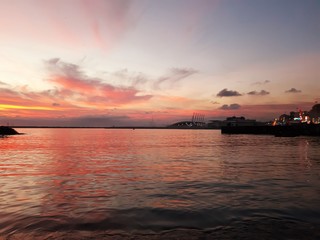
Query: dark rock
{"points": [[7, 131]]}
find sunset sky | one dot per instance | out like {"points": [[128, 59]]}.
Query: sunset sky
{"points": [[149, 62]]}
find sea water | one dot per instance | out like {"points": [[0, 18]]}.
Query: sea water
{"points": [[158, 184]]}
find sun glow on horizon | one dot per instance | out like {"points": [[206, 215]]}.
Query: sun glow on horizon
{"points": [[8, 107], [127, 61]]}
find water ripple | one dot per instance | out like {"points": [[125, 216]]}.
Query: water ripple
{"points": [[157, 184]]}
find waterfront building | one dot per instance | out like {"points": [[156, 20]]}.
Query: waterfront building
{"points": [[300, 117], [239, 121], [314, 114], [215, 124]]}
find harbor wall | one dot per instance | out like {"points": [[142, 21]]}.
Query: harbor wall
{"points": [[293, 130]]}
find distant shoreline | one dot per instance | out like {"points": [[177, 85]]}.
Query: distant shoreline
{"points": [[125, 127]]}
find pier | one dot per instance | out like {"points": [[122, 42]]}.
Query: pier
{"points": [[279, 131]]}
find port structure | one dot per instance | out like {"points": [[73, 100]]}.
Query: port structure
{"points": [[197, 121]]}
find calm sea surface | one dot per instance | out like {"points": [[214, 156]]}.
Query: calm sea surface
{"points": [[158, 184]]}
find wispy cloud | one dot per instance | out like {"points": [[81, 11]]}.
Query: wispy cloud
{"points": [[293, 90], [261, 93], [95, 23], [108, 20], [175, 75], [228, 93], [214, 102], [261, 82], [233, 106], [3, 83], [134, 79]]}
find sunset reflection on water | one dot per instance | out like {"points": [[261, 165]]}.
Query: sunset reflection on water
{"points": [[153, 179]]}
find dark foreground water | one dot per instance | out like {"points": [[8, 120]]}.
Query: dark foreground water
{"points": [[158, 184]]}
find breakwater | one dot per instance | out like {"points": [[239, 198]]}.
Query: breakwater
{"points": [[292, 130]]}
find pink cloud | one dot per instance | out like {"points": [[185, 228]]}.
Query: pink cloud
{"points": [[108, 19], [94, 23], [73, 94], [91, 90]]}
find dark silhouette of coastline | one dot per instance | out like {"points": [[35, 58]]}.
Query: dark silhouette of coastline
{"points": [[81, 127], [123, 127], [7, 131], [278, 131], [299, 123]]}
